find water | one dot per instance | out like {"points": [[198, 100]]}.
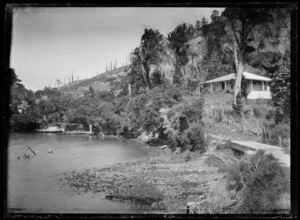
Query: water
{"points": [[34, 186]]}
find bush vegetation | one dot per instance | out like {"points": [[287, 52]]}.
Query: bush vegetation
{"points": [[259, 182]]}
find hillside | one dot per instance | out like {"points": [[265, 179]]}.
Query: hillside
{"points": [[100, 82]]}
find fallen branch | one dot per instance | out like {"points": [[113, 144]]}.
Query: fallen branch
{"points": [[252, 132], [31, 150]]}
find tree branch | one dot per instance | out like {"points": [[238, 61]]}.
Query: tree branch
{"points": [[234, 33]]}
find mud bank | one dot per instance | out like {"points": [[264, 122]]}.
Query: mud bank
{"points": [[165, 183]]}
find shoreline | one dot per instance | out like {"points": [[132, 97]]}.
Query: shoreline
{"points": [[165, 182]]}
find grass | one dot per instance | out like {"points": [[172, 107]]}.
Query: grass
{"points": [[217, 110]]}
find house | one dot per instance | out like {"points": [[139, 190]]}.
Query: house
{"points": [[257, 87]]}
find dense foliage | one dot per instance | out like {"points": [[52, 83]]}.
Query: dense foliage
{"points": [[258, 181], [281, 89]]}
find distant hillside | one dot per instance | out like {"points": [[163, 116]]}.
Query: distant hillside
{"points": [[100, 82]]}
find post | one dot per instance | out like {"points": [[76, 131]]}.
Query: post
{"points": [[279, 141], [225, 85], [91, 129], [211, 88], [251, 88], [129, 90]]}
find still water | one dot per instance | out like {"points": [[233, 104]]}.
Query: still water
{"points": [[34, 186]]}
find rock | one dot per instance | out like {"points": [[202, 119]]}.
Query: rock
{"points": [[190, 204], [109, 196], [154, 205], [164, 147]]}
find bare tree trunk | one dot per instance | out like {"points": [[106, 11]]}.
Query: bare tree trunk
{"points": [[237, 87], [146, 78], [182, 70], [129, 90], [236, 62]]}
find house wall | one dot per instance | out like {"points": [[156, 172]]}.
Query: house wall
{"points": [[258, 89], [259, 95], [217, 87]]}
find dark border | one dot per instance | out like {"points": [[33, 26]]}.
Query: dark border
{"points": [[7, 9]]}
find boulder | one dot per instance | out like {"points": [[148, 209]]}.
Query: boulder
{"points": [[164, 147]]}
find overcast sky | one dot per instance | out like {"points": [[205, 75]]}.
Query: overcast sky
{"points": [[51, 43]]}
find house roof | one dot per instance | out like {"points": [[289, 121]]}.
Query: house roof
{"points": [[255, 77], [231, 76]]}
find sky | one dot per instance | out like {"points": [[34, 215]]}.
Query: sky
{"points": [[52, 43]]}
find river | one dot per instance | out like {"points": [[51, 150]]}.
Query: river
{"points": [[34, 186]]}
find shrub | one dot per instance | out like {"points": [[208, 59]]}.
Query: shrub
{"points": [[193, 138], [272, 132], [151, 120], [187, 157], [192, 108], [182, 123], [270, 114], [142, 111], [120, 104], [256, 112], [246, 113], [260, 180]]}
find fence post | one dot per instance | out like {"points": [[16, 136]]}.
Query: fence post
{"points": [[187, 209]]}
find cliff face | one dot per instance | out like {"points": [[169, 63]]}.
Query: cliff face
{"points": [[196, 50]]}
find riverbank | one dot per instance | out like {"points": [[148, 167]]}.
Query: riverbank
{"points": [[165, 183]]}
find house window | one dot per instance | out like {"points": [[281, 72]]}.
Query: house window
{"points": [[223, 85], [257, 85]]}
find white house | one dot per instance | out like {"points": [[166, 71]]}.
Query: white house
{"points": [[257, 86]]}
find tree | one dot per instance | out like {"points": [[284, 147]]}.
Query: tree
{"points": [[178, 39], [216, 61], [91, 91], [148, 53], [241, 22], [58, 82], [280, 88], [198, 26], [214, 16], [14, 78]]}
